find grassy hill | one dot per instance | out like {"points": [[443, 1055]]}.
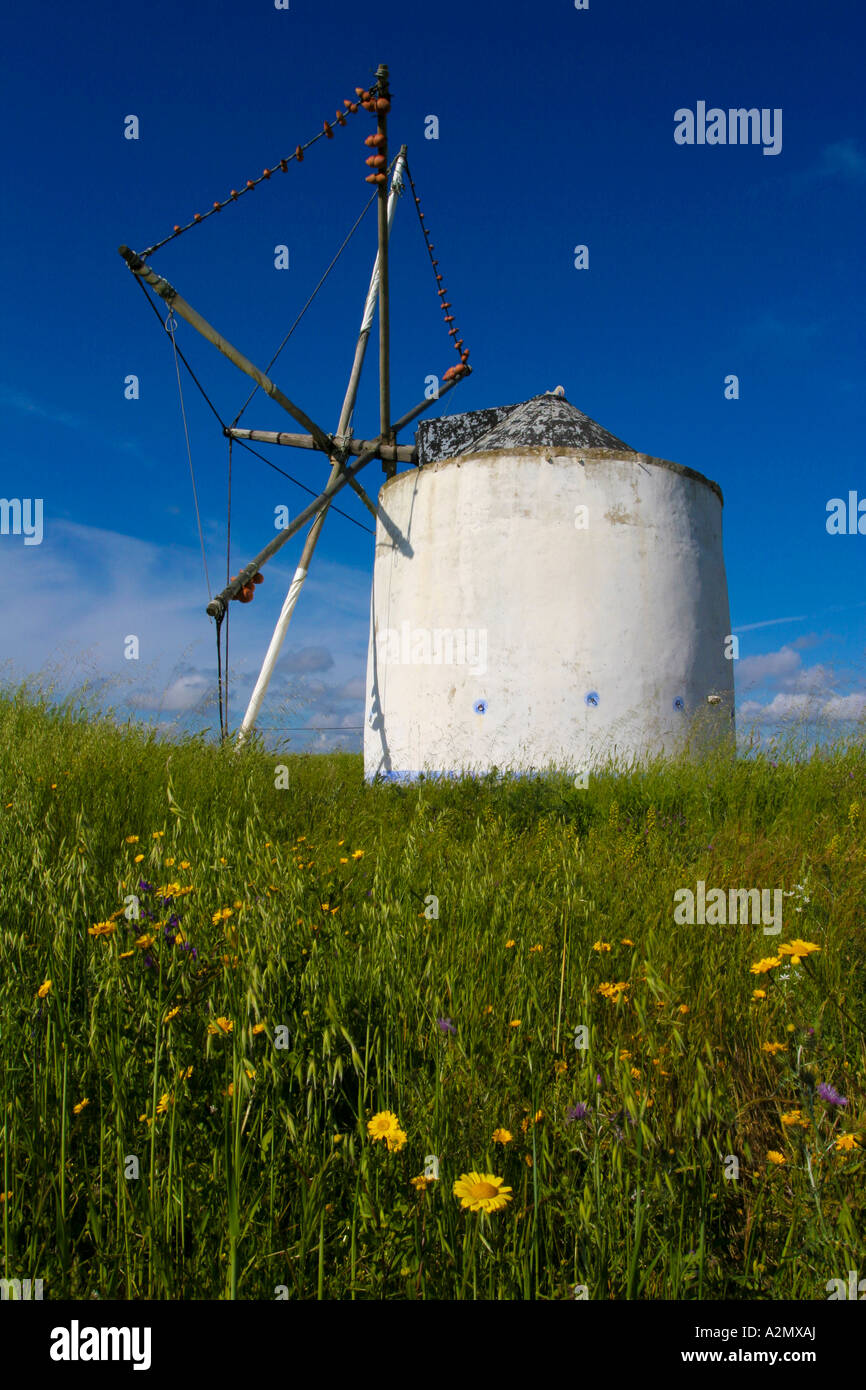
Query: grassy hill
{"points": [[216, 970]]}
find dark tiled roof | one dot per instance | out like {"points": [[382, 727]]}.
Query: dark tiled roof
{"points": [[548, 421]]}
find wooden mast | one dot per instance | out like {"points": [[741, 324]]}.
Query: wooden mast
{"points": [[315, 530]]}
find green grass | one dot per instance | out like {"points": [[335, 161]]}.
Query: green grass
{"points": [[255, 1171]]}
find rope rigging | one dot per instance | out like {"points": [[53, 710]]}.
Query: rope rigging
{"points": [[338, 448]]}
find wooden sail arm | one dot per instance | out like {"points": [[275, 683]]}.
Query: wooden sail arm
{"points": [[186, 311], [402, 453], [218, 605]]}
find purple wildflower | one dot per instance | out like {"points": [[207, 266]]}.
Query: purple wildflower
{"points": [[830, 1094], [149, 962], [144, 886], [446, 1025], [577, 1112]]}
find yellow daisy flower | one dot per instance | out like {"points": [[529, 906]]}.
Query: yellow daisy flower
{"points": [[77, 1109], [43, 989], [847, 1142], [502, 1136], [482, 1192], [383, 1123], [761, 967], [221, 1025], [601, 945], [798, 950], [775, 1157]]}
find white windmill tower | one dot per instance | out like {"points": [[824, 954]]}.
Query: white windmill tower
{"points": [[544, 596]]}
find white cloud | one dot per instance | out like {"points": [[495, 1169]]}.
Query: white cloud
{"points": [[86, 589], [786, 707], [845, 707], [752, 670]]}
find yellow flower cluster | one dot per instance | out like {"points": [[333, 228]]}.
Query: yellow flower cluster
{"points": [[614, 992], [795, 1117], [385, 1125], [221, 1025]]}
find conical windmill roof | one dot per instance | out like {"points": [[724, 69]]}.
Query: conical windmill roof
{"points": [[548, 421]]}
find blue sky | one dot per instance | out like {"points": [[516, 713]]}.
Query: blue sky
{"points": [[556, 128]]}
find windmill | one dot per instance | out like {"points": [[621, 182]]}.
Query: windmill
{"points": [[340, 447]]}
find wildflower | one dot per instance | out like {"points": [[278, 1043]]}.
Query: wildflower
{"points": [[184, 864], [759, 994], [132, 839], [421, 1183], [172, 1013], [258, 1027], [481, 1192], [77, 1109], [184, 1075], [847, 1142], [124, 955], [614, 992], [577, 1112], [488, 1009], [164, 1101], [169, 863], [560, 1067], [830, 1095], [509, 944], [635, 1072], [627, 941], [344, 861], [761, 967], [222, 915], [775, 1157], [43, 989], [358, 854], [502, 1136], [158, 834], [138, 858], [4, 1196], [535, 948], [102, 929], [144, 941], [221, 1025], [601, 945], [795, 1117], [395, 1139], [798, 950], [445, 1025], [143, 885], [515, 1023], [684, 1008], [774, 1047], [383, 1123]]}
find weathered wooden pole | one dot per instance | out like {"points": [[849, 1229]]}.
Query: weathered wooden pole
{"points": [[383, 103], [403, 453], [302, 569], [186, 311]]}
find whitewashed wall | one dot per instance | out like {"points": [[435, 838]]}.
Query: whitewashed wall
{"points": [[580, 641]]}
